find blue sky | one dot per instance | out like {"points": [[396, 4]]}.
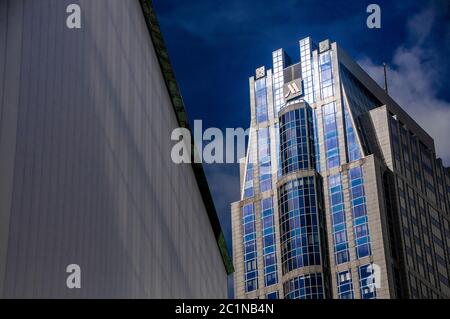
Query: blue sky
{"points": [[215, 46]]}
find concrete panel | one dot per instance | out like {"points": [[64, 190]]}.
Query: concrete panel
{"points": [[94, 183]]}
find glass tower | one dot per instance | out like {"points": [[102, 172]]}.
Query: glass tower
{"points": [[342, 195]]}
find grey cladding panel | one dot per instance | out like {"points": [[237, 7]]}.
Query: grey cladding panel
{"points": [[94, 183]]}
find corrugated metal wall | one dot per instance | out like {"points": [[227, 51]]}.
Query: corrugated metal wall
{"points": [[87, 177]]}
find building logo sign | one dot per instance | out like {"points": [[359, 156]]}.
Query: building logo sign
{"points": [[260, 72], [324, 46], [293, 89]]}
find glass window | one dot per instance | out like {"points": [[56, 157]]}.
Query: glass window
{"points": [[326, 75], [316, 140], [265, 175], [367, 282], [296, 140], [250, 251], [299, 229], [331, 135], [353, 149], [272, 295], [261, 100], [278, 79], [337, 208], [360, 99], [304, 287], [269, 249], [359, 212], [307, 70], [345, 285], [248, 183]]}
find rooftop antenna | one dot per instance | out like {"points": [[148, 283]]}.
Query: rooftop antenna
{"points": [[385, 77]]}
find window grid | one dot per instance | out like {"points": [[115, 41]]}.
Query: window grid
{"points": [[261, 100], [307, 70], [248, 183], [353, 150], [316, 140], [250, 251], [278, 79], [416, 162], [265, 175], [367, 282], [294, 141], [331, 135], [359, 212], [337, 209], [268, 238], [360, 99], [427, 168], [395, 144], [299, 224], [304, 287], [277, 137], [345, 285], [326, 75], [272, 295]]}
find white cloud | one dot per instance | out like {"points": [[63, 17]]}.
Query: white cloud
{"points": [[414, 77]]}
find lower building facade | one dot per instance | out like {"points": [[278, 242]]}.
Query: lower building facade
{"points": [[342, 195]]}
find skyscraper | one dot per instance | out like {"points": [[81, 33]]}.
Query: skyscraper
{"points": [[86, 174], [342, 195]]}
